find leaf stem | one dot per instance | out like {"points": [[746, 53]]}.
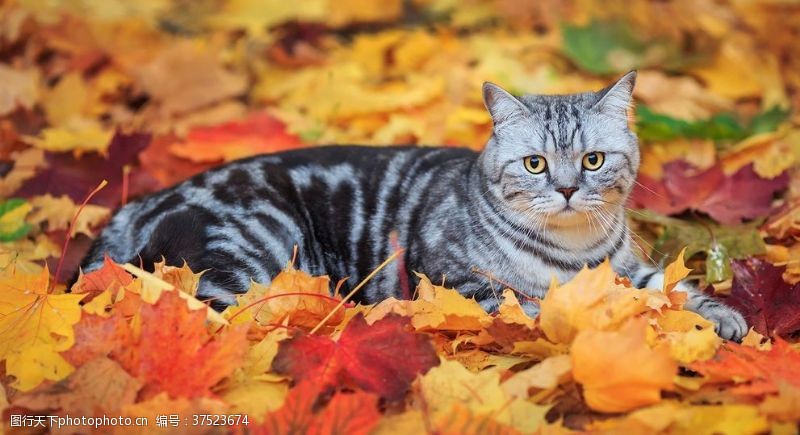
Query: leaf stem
{"points": [[357, 288]]}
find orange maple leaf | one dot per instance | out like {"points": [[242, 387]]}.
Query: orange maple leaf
{"points": [[175, 353]]}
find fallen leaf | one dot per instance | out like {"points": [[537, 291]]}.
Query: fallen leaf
{"points": [[769, 304], [35, 325], [259, 133], [364, 356], [174, 353], [98, 386], [12, 219], [76, 177], [19, 89], [592, 300], [729, 200], [750, 371], [618, 370]]}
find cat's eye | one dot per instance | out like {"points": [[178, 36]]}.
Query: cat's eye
{"points": [[535, 164], [593, 161]]}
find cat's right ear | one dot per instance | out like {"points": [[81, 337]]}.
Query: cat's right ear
{"points": [[503, 106]]}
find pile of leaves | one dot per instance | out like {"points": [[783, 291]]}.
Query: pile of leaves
{"points": [[101, 102]]}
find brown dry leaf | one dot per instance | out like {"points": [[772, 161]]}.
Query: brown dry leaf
{"points": [[18, 88], [681, 97], [187, 76]]}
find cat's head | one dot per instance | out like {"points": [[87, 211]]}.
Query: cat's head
{"points": [[561, 156]]}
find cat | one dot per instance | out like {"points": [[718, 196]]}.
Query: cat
{"points": [[544, 198]]}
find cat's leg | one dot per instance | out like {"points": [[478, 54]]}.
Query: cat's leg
{"points": [[728, 323]]}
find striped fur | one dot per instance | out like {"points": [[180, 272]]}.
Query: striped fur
{"points": [[456, 212]]}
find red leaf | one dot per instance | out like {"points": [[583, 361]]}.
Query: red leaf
{"points": [[769, 304], [109, 277], [383, 358], [97, 336], [257, 134], [351, 414], [75, 177], [743, 195], [175, 353], [755, 372], [347, 413]]}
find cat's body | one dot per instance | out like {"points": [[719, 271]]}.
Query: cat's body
{"points": [[459, 214]]}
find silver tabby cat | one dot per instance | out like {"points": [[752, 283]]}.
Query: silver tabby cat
{"points": [[543, 199]]}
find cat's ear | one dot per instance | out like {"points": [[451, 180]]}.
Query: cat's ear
{"points": [[617, 98], [502, 106]]}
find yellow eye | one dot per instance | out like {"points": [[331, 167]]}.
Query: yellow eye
{"points": [[535, 164], [593, 161]]}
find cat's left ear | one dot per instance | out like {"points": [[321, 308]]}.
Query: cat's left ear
{"points": [[502, 106], [617, 98]]}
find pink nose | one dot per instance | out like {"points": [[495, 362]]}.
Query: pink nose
{"points": [[567, 191]]}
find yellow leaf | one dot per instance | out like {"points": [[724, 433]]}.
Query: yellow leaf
{"points": [[451, 383], [79, 135], [26, 164], [441, 308], [256, 398], [14, 220], [34, 327], [733, 74], [691, 337], [510, 310], [675, 418], [592, 300], [618, 369], [150, 287], [546, 375], [31, 365], [66, 100], [785, 406], [58, 212], [100, 304]]}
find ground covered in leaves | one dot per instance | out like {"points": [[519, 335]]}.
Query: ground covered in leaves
{"points": [[145, 94]]}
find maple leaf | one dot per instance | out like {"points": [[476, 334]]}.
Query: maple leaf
{"points": [[173, 351], [727, 199], [751, 371], [292, 294], [769, 304], [259, 133], [618, 369], [100, 385], [345, 413], [98, 336], [34, 326], [110, 276], [593, 299], [56, 214], [364, 356], [75, 177]]}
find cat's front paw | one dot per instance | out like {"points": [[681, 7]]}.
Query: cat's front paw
{"points": [[728, 323]]}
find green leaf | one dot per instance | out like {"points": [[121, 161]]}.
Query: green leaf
{"points": [[610, 47], [12, 219], [769, 120], [721, 128], [720, 244], [590, 46]]}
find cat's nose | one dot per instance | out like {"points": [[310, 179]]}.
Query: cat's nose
{"points": [[567, 191]]}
